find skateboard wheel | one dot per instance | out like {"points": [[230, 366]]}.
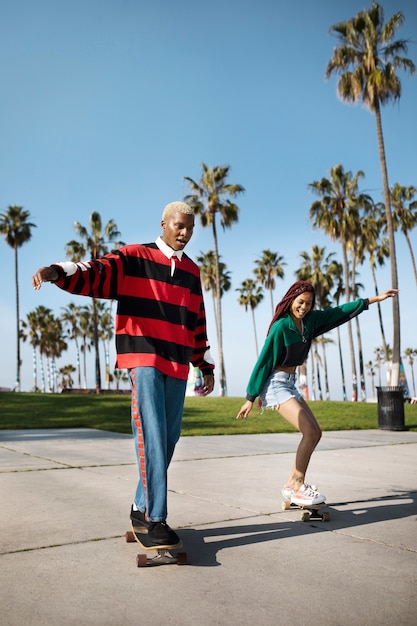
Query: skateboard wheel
{"points": [[182, 558], [325, 516], [286, 505], [141, 560], [305, 516], [130, 537]]}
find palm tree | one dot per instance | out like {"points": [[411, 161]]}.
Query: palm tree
{"points": [[370, 242], [317, 360], [207, 264], [209, 198], [250, 296], [410, 354], [93, 243], [371, 372], [120, 376], [319, 270], [87, 331], [339, 291], [51, 344], [65, 372], [380, 354], [337, 214], [312, 396], [356, 287], [17, 231], [367, 59], [269, 265], [71, 319], [106, 324], [30, 330], [40, 318], [403, 217]]}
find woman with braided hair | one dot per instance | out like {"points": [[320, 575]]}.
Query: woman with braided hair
{"points": [[273, 379]]}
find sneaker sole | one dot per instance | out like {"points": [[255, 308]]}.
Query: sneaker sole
{"points": [[308, 504]]}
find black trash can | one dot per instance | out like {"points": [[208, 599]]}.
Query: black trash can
{"points": [[390, 408]]}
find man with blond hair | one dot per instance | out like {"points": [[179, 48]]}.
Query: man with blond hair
{"points": [[160, 329]]}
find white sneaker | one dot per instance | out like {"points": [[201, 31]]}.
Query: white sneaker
{"points": [[287, 493], [307, 496]]}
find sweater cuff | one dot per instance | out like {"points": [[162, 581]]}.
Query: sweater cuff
{"points": [[250, 398], [60, 271], [207, 371], [366, 304]]}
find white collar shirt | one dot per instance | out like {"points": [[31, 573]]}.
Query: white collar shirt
{"points": [[169, 253]]}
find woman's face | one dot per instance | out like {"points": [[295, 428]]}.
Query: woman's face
{"points": [[301, 305]]}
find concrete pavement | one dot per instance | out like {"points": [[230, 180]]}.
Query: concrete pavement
{"points": [[66, 496]]}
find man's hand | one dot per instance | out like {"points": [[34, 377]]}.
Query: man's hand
{"points": [[208, 384], [44, 275]]}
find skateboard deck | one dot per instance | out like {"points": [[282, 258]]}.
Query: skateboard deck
{"points": [[165, 554], [312, 512]]}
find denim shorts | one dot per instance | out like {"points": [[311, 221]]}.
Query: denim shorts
{"points": [[279, 388]]}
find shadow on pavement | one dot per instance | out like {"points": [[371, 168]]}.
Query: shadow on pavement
{"points": [[203, 545]]}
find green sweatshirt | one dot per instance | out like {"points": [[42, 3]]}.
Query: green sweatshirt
{"points": [[285, 346]]}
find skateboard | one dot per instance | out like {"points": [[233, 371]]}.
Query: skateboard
{"points": [[165, 555], [309, 512]]}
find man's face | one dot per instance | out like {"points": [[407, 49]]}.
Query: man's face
{"points": [[178, 230]]}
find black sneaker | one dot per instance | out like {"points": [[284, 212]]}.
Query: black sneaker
{"points": [[160, 534], [138, 518]]}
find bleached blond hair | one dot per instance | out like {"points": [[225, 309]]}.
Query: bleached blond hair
{"points": [[176, 207]]}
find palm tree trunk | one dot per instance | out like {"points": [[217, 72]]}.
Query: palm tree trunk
{"points": [[413, 263], [96, 347], [35, 371], [373, 385], [254, 330], [318, 377], [78, 363], [342, 371], [48, 374], [361, 366], [222, 373], [384, 343], [215, 312], [313, 378], [349, 326], [85, 362], [303, 379], [395, 373], [43, 383], [16, 270], [326, 374]]}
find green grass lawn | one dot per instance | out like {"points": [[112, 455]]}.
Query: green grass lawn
{"points": [[202, 416]]}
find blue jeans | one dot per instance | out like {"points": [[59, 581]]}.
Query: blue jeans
{"points": [[157, 408]]}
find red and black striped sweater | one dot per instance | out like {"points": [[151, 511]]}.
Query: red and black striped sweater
{"points": [[160, 319]]}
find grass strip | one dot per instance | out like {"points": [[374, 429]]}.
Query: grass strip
{"points": [[202, 416]]}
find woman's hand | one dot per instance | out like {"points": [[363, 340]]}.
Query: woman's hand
{"points": [[245, 410], [389, 293]]}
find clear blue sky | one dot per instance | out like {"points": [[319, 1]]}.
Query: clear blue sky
{"points": [[108, 104]]}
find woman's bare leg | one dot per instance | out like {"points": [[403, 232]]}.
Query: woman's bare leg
{"points": [[299, 414]]}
